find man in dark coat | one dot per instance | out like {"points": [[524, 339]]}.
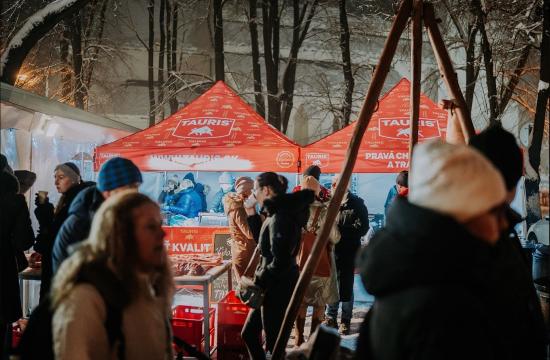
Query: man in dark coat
{"points": [[513, 302], [16, 235], [115, 175], [429, 268], [353, 224]]}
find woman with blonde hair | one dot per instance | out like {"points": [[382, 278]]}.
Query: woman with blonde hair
{"points": [[123, 265], [323, 288]]}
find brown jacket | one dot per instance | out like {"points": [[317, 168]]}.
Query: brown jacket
{"points": [[243, 244]]}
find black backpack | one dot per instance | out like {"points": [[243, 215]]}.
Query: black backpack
{"points": [[37, 339]]}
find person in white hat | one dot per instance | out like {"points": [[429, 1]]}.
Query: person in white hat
{"points": [[428, 267]]}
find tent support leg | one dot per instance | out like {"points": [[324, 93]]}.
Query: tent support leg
{"points": [[416, 73], [447, 72]]}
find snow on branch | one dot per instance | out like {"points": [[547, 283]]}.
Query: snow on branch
{"points": [[36, 26]]}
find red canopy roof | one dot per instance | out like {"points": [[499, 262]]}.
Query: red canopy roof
{"points": [[385, 144], [218, 131]]}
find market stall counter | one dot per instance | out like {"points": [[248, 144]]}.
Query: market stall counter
{"points": [[206, 281]]}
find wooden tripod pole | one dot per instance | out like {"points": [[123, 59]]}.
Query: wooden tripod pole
{"points": [[416, 73], [361, 125], [447, 72]]}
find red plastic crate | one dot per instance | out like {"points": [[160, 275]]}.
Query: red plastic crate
{"points": [[231, 310], [187, 324]]}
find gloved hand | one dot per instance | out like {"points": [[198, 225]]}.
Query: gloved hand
{"points": [[43, 212]]}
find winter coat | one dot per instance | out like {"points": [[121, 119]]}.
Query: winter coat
{"points": [[187, 203], [512, 301], [16, 235], [430, 278], [242, 239], [280, 236], [76, 227], [217, 202], [49, 226], [322, 290], [277, 272], [79, 326], [353, 223]]}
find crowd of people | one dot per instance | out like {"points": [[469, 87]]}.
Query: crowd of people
{"points": [[447, 270]]}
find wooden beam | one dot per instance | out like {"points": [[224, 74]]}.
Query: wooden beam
{"points": [[384, 64], [447, 72], [416, 73]]}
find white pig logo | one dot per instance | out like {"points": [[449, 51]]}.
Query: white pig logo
{"points": [[205, 130]]}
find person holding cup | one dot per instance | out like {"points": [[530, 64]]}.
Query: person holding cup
{"points": [[68, 183]]}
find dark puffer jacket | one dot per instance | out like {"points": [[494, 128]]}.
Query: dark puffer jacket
{"points": [[429, 278], [280, 235], [76, 227], [353, 223], [277, 272], [187, 203], [16, 235]]}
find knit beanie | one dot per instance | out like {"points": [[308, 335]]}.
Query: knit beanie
{"points": [[70, 170], [313, 170], [502, 149], [403, 178], [455, 180], [118, 172], [243, 184], [190, 176]]}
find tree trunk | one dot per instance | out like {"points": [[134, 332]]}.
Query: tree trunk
{"points": [[64, 57], [346, 63], [472, 70], [150, 60], [270, 15], [532, 180], [95, 51], [488, 62], [256, 70], [173, 68], [218, 41], [76, 43], [162, 50], [34, 29], [289, 76]]}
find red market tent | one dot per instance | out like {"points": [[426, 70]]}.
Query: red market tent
{"points": [[218, 131], [385, 145]]}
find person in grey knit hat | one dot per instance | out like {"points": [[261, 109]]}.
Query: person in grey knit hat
{"points": [[68, 183], [116, 174]]}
